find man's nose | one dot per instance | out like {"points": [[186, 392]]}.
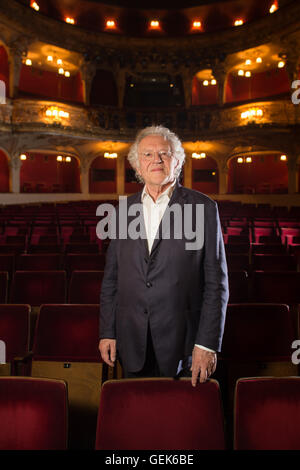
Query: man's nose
{"points": [[157, 158]]}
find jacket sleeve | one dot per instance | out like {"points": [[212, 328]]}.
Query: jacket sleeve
{"points": [[215, 291], [108, 296]]}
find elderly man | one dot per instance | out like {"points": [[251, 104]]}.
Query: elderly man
{"points": [[163, 302]]}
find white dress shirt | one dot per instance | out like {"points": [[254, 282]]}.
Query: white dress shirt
{"points": [[153, 213]]}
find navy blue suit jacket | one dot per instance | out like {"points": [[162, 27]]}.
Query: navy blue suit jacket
{"points": [[182, 294]]}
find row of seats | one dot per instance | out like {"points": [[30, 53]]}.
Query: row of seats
{"points": [[154, 414], [38, 287]]}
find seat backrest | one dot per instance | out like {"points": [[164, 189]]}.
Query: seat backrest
{"points": [[276, 287], [238, 286], [3, 286], [67, 333], [14, 329], [33, 414], [251, 332], [39, 287], [43, 261], [267, 414], [85, 287], [270, 262], [160, 414], [84, 262]]}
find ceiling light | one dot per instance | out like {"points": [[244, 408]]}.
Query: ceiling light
{"points": [[240, 160], [238, 22], [259, 60], [273, 8], [241, 73], [59, 62], [68, 159], [23, 156], [283, 158], [171, 85], [205, 83], [50, 58], [248, 62], [35, 6], [154, 24], [61, 71], [196, 24], [213, 81], [248, 73], [281, 64], [249, 160], [110, 24], [59, 158], [70, 20], [28, 62], [67, 73]]}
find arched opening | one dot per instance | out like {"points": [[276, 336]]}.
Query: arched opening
{"points": [[104, 90], [131, 183], [4, 173], [259, 85], [205, 175], [48, 173], [102, 176], [4, 69], [47, 84], [263, 174], [204, 89]]}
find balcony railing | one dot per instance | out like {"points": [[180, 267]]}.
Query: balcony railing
{"points": [[97, 122]]}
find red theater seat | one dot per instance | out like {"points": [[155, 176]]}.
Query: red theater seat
{"points": [[81, 248], [33, 414], [236, 262], [3, 287], [267, 414], [14, 331], [38, 287], [85, 287], [262, 248], [276, 287], [160, 414], [242, 248], [66, 347], [7, 263], [38, 262], [84, 262], [238, 286], [265, 262]]}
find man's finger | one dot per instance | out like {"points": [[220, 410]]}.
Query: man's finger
{"points": [[203, 375], [195, 374], [113, 352]]}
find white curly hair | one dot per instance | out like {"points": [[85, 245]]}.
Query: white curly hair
{"points": [[176, 146]]}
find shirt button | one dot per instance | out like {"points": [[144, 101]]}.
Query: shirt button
{"points": [[149, 284]]}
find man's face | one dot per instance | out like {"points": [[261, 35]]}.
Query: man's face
{"points": [[156, 161]]}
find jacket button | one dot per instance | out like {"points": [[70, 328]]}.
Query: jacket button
{"points": [[146, 311], [146, 260], [149, 284]]}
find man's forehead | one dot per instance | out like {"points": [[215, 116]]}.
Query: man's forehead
{"points": [[154, 139]]}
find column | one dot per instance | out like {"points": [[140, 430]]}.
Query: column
{"points": [[15, 168], [121, 175], [16, 55], [188, 176], [187, 80], [120, 77], [220, 72], [293, 168], [88, 72], [223, 179]]}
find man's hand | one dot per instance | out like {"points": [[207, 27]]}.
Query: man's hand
{"points": [[203, 363], [107, 348]]}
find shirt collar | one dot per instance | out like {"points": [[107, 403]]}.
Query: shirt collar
{"points": [[167, 192]]}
